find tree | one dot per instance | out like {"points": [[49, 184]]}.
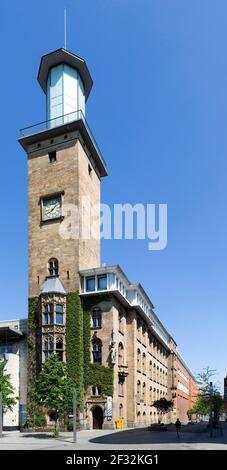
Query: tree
{"points": [[7, 389], [200, 407], [53, 389], [210, 394], [163, 405]]}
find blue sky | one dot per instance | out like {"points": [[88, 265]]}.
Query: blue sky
{"points": [[158, 110]]}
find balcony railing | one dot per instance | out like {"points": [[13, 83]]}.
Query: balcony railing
{"points": [[60, 121]]}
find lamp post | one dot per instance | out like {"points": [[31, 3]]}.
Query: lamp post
{"points": [[74, 416], [211, 408]]}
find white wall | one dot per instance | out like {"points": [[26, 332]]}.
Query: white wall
{"points": [[11, 418]]}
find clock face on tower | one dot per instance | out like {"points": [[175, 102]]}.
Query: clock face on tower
{"points": [[51, 208]]}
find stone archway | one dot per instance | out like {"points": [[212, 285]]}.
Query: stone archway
{"points": [[97, 417]]}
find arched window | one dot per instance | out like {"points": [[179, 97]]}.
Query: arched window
{"points": [[120, 354], [121, 381], [121, 322], [150, 369], [144, 390], [48, 346], [138, 359], [138, 388], [144, 363], [53, 267], [59, 347], [138, 323], [120, 410], [96, 318], [144, 330], [97, 350], [150, 395]]}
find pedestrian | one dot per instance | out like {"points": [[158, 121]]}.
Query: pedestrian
{"points": [[178, 425]]}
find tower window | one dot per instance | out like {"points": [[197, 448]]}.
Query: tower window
{"points": [[49, 314], [52, 157], [53, 267], [48, 346], [59, 314], [96, 318], [59, 348], [89, 169], [97, 350]]}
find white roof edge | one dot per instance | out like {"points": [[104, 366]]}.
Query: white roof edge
{"points": [[186, 366], [116, 268]]}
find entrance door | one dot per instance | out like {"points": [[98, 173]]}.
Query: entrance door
{"points": [[97, 417]]}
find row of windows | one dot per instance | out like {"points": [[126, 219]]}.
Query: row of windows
{"points": [[97, 352], [96, 319], [91, 283], [53, 315]]}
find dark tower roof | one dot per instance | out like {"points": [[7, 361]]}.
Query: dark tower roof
{"points": [[62, 56]]}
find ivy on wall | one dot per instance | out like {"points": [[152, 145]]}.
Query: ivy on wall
{"points": [[101, 376], [74, 344], [33, 335], [94, 374], [78, 344]]}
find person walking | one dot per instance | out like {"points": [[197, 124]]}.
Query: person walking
{"points": [[178, 426]]}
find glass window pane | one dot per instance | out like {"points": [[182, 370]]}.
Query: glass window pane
{"points": [[59, 308], [90, 284], [59, 318], [51, 318], [51, 307], [102, 282]]}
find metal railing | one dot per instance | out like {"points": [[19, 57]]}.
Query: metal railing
{"points": [[57, 122]]}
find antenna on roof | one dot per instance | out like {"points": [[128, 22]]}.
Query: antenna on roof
{"points": [[65, 27]]}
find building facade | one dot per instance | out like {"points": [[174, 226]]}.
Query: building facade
{"points": [[13, 351], [119, 353], [187, 389]]}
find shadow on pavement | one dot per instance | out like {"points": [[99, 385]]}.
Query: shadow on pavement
{"points": [[197, 434], [38, 435]]}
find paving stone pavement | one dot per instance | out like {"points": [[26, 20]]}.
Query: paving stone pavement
{"points": [[139, 438]]}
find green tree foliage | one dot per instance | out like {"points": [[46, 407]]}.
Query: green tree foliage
{"points": [[200, 407], [53, 389], [7, 389], [163, 405], [209, 393]]}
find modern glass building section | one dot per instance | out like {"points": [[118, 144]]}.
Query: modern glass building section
{"points": [[65, 95]]}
